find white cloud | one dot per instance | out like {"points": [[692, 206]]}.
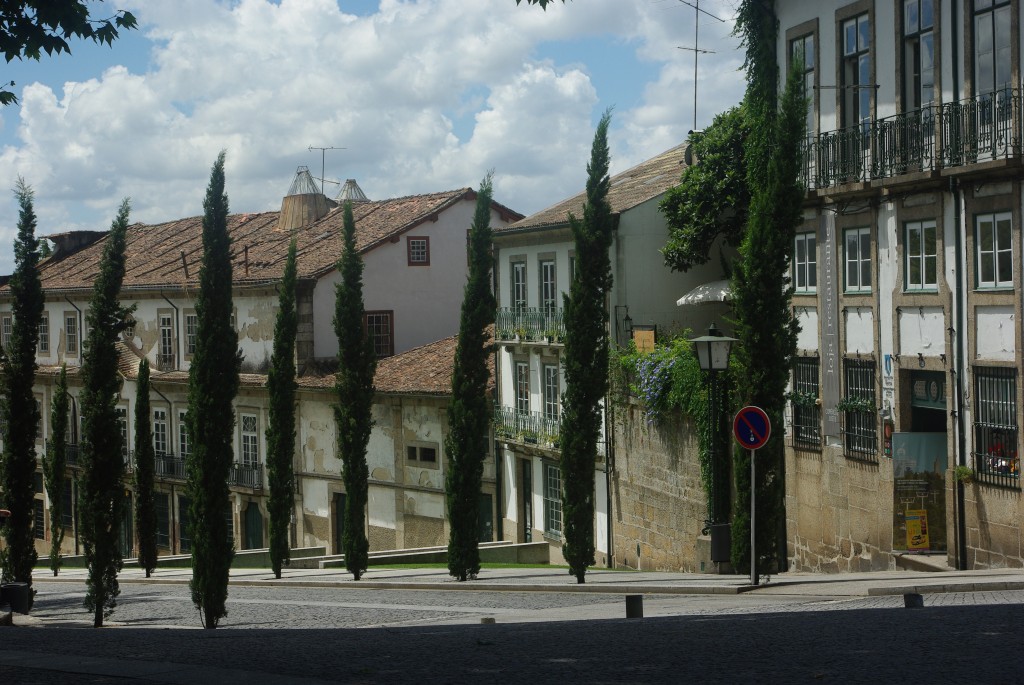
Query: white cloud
{"points": [[423, 95]]}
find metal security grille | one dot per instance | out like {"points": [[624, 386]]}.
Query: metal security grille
{"points": [[860, 425], [996, 459], [806, 410]]}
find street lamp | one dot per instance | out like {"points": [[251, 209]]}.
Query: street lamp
{"points": [[713, 355]]}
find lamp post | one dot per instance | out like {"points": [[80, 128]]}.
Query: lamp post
{"points": [[713, 355]]}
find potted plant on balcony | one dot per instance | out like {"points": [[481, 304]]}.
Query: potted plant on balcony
{"points": [[530, 436]]}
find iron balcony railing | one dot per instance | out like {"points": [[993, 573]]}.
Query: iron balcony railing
{"points": [[72, 456], [246, 476], [529, 428], [169, 466], [529, 324], [983, 128]]}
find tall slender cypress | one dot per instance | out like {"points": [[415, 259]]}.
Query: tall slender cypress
{"points": [[762, 297], [145, 464], [281, 428], [586, 358], [102, 492], [469, 410], [356, 365], [20, 413], [212, 387], [54, 465]]}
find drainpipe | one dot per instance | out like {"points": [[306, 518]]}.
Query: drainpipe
{"points": [[499, 500], [609, 465], [177, 346], [956, 330]]}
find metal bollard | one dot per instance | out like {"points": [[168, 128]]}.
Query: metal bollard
{"points": [[912, 600], [634, 606]]}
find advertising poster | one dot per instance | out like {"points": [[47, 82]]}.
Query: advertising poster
{"points": [[919, 462]]}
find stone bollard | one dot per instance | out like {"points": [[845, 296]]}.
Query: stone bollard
{"points": [[634, 606], [913, 600], [487, 620]]}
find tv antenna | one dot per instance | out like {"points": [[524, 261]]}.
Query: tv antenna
{"points": [[696, 49], [323, 161]]}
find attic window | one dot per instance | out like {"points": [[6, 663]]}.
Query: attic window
{"points": [[419, 250]]}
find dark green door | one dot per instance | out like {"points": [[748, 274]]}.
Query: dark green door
{"points": [[339, 522], [485, 520], [253, 526], [127, 539]]}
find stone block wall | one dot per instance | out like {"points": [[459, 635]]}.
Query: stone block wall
{"points": [[658, 502], [838, 512]]}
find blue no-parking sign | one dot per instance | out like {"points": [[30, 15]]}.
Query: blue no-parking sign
{"points": [[751, 427]]}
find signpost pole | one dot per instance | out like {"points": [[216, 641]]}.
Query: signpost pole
{"points": [[752, 429], [753, 520]]}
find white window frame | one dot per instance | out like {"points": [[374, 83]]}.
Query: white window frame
{"points": [[44, 334], [249, 427], [855, 261], [552, 500], [548, 286], [552, 394], [71, 334], [191, 329], [918, 254], [165, 355], [184, 447], [998, 252], [805, 263], [6, 330], [160, 435], [522, 386], [518, 300]]}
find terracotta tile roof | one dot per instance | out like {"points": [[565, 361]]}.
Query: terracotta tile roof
{"points": [[628, 189], [425, 370], [169, 254]]}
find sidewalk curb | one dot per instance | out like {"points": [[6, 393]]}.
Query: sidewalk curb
{"points": [[994, 586]]}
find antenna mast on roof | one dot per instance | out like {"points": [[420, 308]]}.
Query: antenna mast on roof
{"points": [[323, 162], [696, 49]]}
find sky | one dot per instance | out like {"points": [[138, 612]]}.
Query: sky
{"points": [[416, 96]]}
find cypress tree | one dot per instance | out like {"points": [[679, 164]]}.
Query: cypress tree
{"points": [[353, 414], [281, 427], [586, 358], [20, 413], [54, 465], [469, 410], [145, 464], [102, 500], [765, 326], [212, 386]]}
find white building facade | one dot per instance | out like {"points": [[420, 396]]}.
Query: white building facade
{"points": [[907, 272]]}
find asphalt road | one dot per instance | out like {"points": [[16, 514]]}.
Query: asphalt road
{"points": [[302, 636]]}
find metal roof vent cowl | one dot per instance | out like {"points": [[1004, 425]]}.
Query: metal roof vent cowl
{"points": [[351, 191], [303, 204]]}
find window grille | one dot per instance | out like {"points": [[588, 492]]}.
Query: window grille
{"points": [[996, 460], [860, 429], [806, 410]]}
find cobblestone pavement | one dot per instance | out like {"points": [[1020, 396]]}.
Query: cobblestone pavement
{"points": [[935, 644]]}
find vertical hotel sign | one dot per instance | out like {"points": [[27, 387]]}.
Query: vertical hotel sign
{"points": [[829, 325]]}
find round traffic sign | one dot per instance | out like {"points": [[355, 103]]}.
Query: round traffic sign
{"points": [[751, 427]]}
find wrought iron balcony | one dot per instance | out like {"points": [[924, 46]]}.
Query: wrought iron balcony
{"points": [[982, 128], [528, 428], [169, 466], [529, 324], [979, 129], [246, 476]]}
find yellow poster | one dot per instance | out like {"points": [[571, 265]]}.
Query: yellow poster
{"points": [[917, 530]]}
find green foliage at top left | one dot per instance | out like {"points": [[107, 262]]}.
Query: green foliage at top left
{"points": [[665, 381], [28, 28]]}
